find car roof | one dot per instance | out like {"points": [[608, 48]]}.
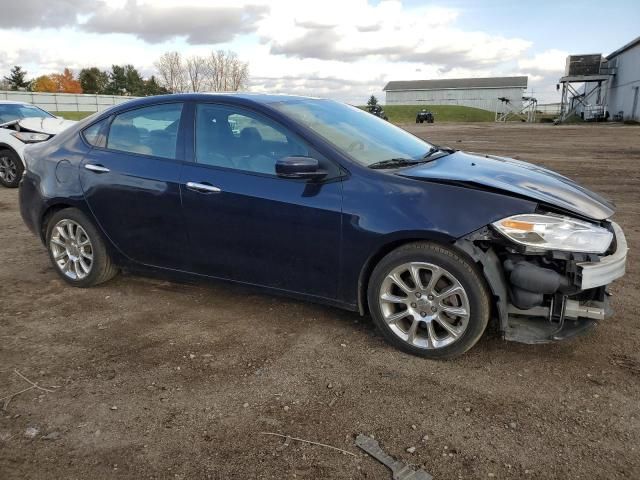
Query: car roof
{"points": [[243, 98], [252, 97]]}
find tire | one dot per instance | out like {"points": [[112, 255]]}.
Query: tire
{"points": [[72, 249], [11, 169], [438, 322]]}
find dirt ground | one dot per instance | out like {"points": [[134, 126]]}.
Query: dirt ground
{"points": [[153, 379]]}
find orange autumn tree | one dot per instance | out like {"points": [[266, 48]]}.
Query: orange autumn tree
{"points": [[63, 82], [66, 82], [44, 83]]}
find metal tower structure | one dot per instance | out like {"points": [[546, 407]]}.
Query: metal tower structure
{"points": [[526, 113], [595, 91], [594, 72]]}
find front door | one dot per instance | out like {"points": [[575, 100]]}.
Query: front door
{"points": [[131, 184], [249, 225]]}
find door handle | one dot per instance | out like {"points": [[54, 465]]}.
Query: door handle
{"points": [[202, 187], [96, 168]]}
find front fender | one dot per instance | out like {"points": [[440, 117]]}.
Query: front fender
{"points": [[384, 211]]}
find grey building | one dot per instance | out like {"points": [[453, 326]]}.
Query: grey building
{"points": [[622, 95], [484, 93]]}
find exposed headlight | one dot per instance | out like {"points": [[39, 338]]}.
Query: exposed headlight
{"points": [[31, 137], [546, 232]]}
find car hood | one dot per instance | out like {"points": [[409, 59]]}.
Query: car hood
{"points": [[52, 126], [514, 177]]}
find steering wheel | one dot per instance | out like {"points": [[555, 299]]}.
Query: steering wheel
{"points": [[357, 145]]}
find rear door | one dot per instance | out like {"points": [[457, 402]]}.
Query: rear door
{"points": [[131, 183]]}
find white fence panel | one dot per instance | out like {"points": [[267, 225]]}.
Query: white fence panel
{"points": [[548, 108], [65, 102]]}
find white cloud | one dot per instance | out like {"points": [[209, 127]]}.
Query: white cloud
{"points": [[154, 23], [549, 61], [387, 30], [345, 49]]}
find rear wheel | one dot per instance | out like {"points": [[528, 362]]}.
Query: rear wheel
{"points": [[11, 169], [76, 249], [428, 300]]}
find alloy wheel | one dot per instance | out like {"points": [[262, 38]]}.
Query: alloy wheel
{"points": [[8, 170], [424, 305], [71, 249]]}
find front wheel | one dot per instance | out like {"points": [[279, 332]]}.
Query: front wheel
{"points": [[76, 249], [428, 300], [11, 169]]}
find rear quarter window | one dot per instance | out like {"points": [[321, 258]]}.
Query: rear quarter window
{"points": [[95, 134]]}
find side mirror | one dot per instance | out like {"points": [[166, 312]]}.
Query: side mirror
{"points": [[299, 167]]}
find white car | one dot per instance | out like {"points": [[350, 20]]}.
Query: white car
{"points": [[21, 124]]}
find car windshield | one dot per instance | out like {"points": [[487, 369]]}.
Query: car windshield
{"points": [[18, 111], [364, 137]]}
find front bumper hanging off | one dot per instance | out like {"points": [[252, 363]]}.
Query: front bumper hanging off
{"points": [[573, 317], [561, 317], [609, 268]]}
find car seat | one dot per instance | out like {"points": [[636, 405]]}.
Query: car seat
{"points": [[255, 157], [215, 142], [126, 137]]}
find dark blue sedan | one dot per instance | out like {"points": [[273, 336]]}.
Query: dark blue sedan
{"points": [[320, 200]]}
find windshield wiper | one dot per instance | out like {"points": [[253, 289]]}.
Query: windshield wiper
{"points": [[431, 151], [393, 163], [435, 152], [437, 148]]}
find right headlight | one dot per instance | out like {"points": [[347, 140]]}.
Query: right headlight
{"points": [[548, 232]]}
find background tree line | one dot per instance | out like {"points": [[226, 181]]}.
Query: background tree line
{"points": [[121, 80], [219, 71]]}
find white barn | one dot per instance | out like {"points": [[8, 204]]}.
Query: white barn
{"points": [[622, 95], [481, 93]]}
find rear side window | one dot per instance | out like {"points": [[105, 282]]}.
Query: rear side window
{"points": [[95, 134], [147, 131]]}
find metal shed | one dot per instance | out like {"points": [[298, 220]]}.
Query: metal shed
{"points": [[624, 87], [484, 93]]}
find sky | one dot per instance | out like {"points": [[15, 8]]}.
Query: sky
{"points": [[341, 49]]}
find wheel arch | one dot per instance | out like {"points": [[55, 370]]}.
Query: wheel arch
{"points": [[11, 149], [49, 212], [6, 146], [386, 247], [62, 203]]}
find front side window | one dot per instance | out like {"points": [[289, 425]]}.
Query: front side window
{"points": [[230, 137], [148, 131], [364, 137]]}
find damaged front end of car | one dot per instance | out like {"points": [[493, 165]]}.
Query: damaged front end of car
{"points": [[548, 273], [23, 134]]}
